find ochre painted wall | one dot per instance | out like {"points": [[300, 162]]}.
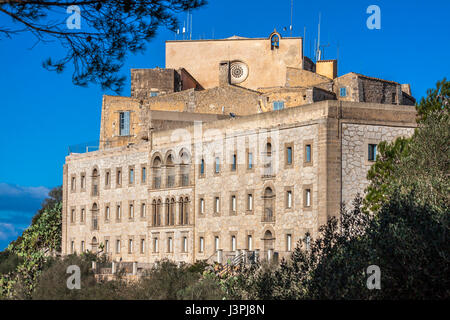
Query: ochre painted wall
{"points": [[267, 68]]}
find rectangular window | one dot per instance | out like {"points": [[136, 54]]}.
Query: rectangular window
{"points": [[288, 242], [72, 216], [153, 94], [308, 153], [82, 215], [73, 183], [233, 243], [72, 247], [249, 242], [233, 166], [130, 246], [107, 178], [278, 105], [107, 214], [343, 92], [142, 245], [202, 205], [169, 244], [216, 243], [201, 247], [233, 203], [289, 155], [83, 181], [155, 244], [185, 244], [307, 197], [217, 170], [250, 160], [249, 202], [202, 167], [119, 177], [82, 246], [118, 213], [118, 246], [372, 152], [143, 210], [289, 199], [216, 204], [131, 213], [124, 123], [131, 176], [144, 175]]}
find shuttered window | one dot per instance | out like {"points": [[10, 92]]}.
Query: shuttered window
{"points": [[124, 123]]}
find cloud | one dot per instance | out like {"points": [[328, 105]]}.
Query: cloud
{"points": [[20, 198], [7, 231]]}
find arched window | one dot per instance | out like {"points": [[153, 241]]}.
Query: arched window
{"points": [[154, 219], [167, 213], [94, 216], [186, 211], [156, 172], [94, 244], [268, 243], [269, 199], [95, 179], [172, 212], [158, 213], [170, 172], [184, 168], [181, 211], [275, 42]]}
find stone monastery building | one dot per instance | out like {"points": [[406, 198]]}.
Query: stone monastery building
{"points": [[238, 145]]}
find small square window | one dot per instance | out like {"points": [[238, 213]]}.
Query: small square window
{"points": [[372, 152], [278, 105]]}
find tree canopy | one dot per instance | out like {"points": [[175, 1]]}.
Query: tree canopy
{"points": [[106, 33]]}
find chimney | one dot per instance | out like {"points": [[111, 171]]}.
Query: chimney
{"points": [[224, 73], [327, 68]]}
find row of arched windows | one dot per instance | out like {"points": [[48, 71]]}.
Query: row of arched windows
{"points": [[169, 180], [163, 213]]}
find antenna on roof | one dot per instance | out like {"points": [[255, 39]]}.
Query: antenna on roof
{"points": [[190, 33], [318, 41], [290, 26]]}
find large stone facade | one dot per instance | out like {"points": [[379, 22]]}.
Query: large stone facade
{"points": [[188, 167]]}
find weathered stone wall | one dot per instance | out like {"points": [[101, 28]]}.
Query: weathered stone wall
{"points": [[379, 91], [355, 140], [110, 195], [162, 81], [296, 77]]}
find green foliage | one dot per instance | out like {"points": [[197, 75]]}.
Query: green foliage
{"points": [[437, 100], [381, 173], [408, 240], [8, 262], [36, 244], [421, 163]]}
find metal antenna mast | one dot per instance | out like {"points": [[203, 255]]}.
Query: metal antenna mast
{"points": [[292, 10]]}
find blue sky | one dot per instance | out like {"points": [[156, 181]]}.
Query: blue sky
{"points": [[43, 112]]}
